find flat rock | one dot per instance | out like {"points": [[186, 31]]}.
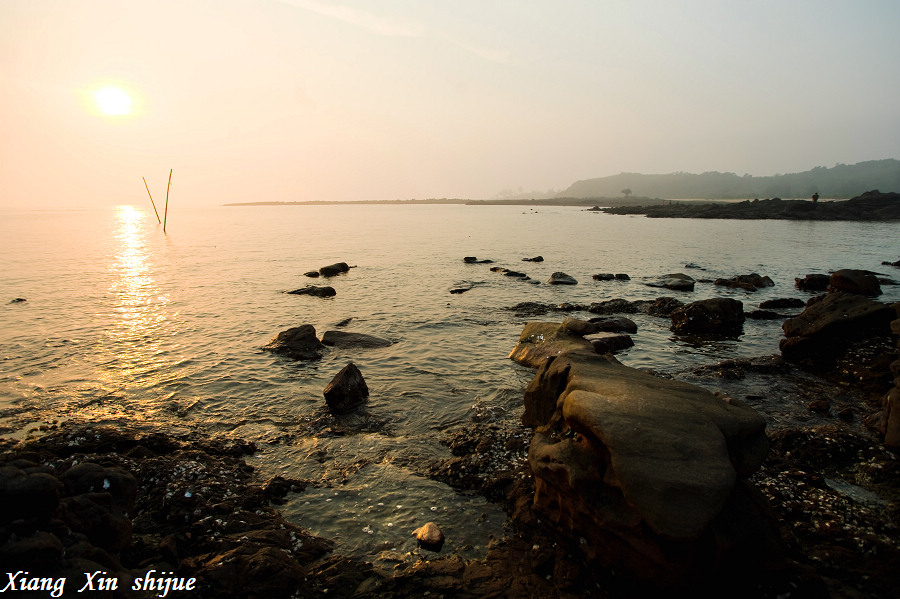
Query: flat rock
{"points": [[315, 291], [675, 281], [561, 278], [542, 340], [346, 339]]}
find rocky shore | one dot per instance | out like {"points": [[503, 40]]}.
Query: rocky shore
{"points": [[768, 477], [870, 206]]}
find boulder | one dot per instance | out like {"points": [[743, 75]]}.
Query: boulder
{"points": [[579, 328], [346, 391], [621, 276], [561, 278], [604, 276], [647, 474], [664, 306], [334, 269], [542, 340], [315, 291], [675, 281], [861, 282], [535, 259], [610, 343], [813, 282], [614, 324], [613, 306], [344, 339], [299, 343], [750, 282], [829, 324], [719, 315]]}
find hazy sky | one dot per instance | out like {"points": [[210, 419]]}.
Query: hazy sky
{"points": [[251, 100]]}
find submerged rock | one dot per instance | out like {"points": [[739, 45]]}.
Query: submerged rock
{"points": [[334, 269], [461, 287], [299, 343], [18, 300], [720, 315], [315, 291], [313, 274], [750, 282], [561, 278], [535, 259], [347, 390], [791, 302], [676, 281], [344, 339]]}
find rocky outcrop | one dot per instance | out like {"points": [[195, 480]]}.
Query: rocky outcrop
{"points": [[315, 291], [861, 282], [750, 282], [345, 340], [649, 473], [334, 269], [561, 278], [346, 391], [718, 315], [829, 324], [299, 343], [676, 281]]}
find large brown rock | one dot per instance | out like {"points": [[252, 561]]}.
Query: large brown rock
{"points": [[642, 469], [720, 315], [829, 324], [542, 340]]}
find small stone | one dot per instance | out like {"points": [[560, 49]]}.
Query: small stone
{"points": [[430, 536]]}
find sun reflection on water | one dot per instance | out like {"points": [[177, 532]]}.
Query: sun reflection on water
{"points": [[133, 351]]}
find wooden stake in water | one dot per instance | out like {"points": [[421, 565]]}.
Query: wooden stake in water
{"points": [[166, 211], [151, 200]]}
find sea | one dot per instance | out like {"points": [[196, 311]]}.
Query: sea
{"points": [[105, 318]]}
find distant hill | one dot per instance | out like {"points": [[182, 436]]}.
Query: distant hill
{"points": [[840, 182]]}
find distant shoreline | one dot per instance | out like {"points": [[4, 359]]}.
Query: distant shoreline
{"points": [[589, 202]]}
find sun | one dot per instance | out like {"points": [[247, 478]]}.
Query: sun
{"points": [[113, 101]]}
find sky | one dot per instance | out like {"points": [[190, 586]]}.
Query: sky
{"points": [[297, 100]]}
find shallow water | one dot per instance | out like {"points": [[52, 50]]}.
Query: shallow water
{"points": [[125, 324]]}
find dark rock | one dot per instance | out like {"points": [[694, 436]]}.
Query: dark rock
{"points": [[561, 278], [514, 273], [313, 274], [791, 302], [315, 291], [613, 306], [578, 328], [720, 315], [860, 282], [18, 300], [462, 287], [750, 282], [692, 265], [343, 340], [675, 281], [474, 260], [604, 276], [610, 343], [813, 282], [621, 276], [344, 322], [299, 343], [535, 259], [820, 406], [88, 477], [531, 309], [27, 495], [829, 324], [663, 306], [570, 307], [613, 324], [347, 390], [334, 269]]}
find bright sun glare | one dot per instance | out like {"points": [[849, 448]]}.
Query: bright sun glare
{"points": [[113, 101]]}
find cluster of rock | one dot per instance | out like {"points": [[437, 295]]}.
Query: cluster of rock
{"points": [[649, 474], [88, 500], [750, 282], [833, 324], [322, 290], [608, 276]]}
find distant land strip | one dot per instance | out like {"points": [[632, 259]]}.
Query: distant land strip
{"points": [[632, 201]]}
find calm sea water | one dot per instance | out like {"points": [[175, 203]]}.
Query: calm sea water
{"points": [[124, 323]]}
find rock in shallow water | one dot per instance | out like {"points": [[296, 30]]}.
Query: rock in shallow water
{"points": [[299, 343], [561, 278], [430, 536], [315, 291], [347, 390], [344, 339], [719, 315]]}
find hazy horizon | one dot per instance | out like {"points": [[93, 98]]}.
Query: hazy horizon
{"points": [[301, 100]]}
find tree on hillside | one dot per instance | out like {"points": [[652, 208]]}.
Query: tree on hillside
{"points": [[627, 191]]}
